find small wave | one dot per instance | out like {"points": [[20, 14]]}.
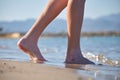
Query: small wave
{"points": [[101, 59]]}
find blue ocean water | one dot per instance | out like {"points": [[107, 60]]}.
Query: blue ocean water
{"points": [[104, 50]]}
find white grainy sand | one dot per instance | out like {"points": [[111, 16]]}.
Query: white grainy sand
{"points": [[15, 70]]}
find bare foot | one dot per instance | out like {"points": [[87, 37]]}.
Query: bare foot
{"points": [[75, 57], [31, 49]]}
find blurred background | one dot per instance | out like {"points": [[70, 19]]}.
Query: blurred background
{"points": [[101, 30], [19, 16]]}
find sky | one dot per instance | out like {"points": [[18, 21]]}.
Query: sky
{"points": [[26, 9]]}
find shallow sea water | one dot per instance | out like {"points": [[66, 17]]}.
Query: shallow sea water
{"points": [[101, 50]]}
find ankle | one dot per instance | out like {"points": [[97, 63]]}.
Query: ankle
{"points": [[29, 40], [74, 52]]}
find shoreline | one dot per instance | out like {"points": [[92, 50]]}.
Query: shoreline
{"points": [[61, 34], [16, 70]]}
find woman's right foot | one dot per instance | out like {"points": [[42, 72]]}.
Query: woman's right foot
{"points": [[31, 49]]}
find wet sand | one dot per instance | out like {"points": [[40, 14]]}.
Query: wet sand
{"points": [[16, 70]]}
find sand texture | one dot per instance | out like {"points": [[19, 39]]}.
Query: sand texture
{"points": [[15, 70]]}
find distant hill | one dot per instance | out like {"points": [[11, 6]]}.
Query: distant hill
{"points": [[105, 23]]}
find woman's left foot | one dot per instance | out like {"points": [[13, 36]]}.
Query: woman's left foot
{"points": [[75, 57]]}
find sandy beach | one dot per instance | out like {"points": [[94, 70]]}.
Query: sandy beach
{"points": [[16, 70]]}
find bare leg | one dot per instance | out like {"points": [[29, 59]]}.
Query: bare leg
{"points": [[28, 43], [75, 11]]}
